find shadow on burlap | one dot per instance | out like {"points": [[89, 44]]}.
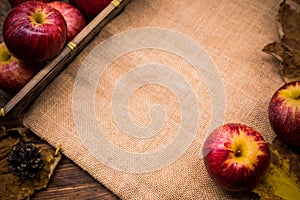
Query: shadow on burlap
{"points": [[232, 32]]}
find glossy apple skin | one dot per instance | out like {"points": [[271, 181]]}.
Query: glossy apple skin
{"points": [[31, 41], [14, 3], [284, 113], [90, 8], [14, 74], [74, 18], [230, 169]]}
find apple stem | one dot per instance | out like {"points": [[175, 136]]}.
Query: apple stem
{"points": [[38, 19], [238, 153]]}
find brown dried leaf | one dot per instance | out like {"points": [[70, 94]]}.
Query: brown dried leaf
{"points": [[2, 132], [277, 50], [11, 186], [6, 145], [297, 1], [289, 20], [287, 51]]}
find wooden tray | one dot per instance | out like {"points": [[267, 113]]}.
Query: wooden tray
{"points": [[21, 101]]}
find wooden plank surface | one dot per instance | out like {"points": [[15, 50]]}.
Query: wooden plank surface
{"points": [[71, 182], [68, 180]]}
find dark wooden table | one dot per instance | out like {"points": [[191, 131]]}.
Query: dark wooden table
{"points": [[71, 182], [68, 181]]}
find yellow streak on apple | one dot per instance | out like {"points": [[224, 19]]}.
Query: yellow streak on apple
{"points": [[291, 97], [5, 56], [244, 151], [39, 17]]}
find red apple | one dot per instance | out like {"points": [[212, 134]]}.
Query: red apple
{"points": [[13, 73], [34, 31], [90, 8], [235, 157], [14, 3], [74, 19], [284, 113]]}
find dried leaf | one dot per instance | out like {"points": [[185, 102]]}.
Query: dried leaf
{"points": [[12, 187], [277, 50], [2, 132], [289, 20], [282, 180], [287, 51], [297, 1], [6, 145]]}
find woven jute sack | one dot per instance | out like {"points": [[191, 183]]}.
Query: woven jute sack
{"points": [[135, 106]]}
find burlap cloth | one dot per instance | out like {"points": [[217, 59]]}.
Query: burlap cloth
{"points": [[232, 32]]}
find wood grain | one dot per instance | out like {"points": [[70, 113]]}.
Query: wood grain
{"points": [[68, 180], [71, 182]]}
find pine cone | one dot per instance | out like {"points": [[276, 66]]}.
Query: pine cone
{"points": [[25, 160]]}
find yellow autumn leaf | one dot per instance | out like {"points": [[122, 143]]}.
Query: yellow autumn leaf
{"points": [[283, 175]]}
